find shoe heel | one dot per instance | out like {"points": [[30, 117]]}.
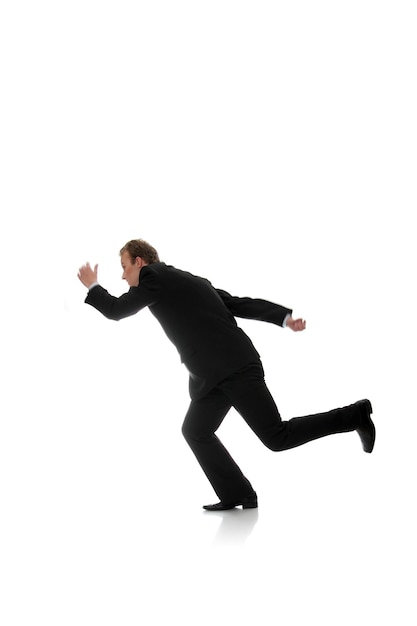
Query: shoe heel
{"points": [[250, 504]]}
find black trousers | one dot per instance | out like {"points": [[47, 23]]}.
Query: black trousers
{"points": [[247, 392]]}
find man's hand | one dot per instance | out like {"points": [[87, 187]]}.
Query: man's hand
{"points": [[87, 275], [296, 325]]}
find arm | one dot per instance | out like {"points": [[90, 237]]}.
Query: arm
{"points": [[114, 308], [262, 310], [110, 306]]}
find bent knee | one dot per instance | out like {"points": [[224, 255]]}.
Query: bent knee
{"points": [[272, 445], [192, 433], [189, 432], [277, 441], [186, 431]]}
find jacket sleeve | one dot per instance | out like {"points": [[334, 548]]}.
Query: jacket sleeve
{"points": [[255, 308], [115, 308]]}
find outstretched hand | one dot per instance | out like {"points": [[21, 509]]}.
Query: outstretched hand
{"points": [[87, 275], [296, 325]]}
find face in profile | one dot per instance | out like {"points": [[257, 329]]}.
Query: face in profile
{"points": [[131, 269]]}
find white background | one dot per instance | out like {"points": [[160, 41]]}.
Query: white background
{"points": [[270, 147]]}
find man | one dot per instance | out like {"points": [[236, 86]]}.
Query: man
{"points": [[224, 367]]}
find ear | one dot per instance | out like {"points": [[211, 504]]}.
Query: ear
{"points": [[138, 261]]}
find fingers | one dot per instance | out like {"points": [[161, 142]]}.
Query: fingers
{"points": [[87, 268], [299, 325], [86, 274]]}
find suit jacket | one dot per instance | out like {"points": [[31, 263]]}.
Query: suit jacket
{"points": [[196, 317]]}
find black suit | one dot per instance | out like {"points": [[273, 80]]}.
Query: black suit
{"points": [[224, 366], [197, 318]]}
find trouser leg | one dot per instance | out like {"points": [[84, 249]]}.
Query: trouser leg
{"points": [[201, 421], [247, 392], [253, 401]]}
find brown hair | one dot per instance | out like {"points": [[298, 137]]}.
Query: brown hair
{"points": [[139, 247]]}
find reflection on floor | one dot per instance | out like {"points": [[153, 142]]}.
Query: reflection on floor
{"points": [[235, 526]]}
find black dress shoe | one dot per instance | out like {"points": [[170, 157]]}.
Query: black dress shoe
{"points": [[251, 502], [366, 430]]}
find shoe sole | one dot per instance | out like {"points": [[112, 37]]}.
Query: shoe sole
{"points": [[370, 429]]}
